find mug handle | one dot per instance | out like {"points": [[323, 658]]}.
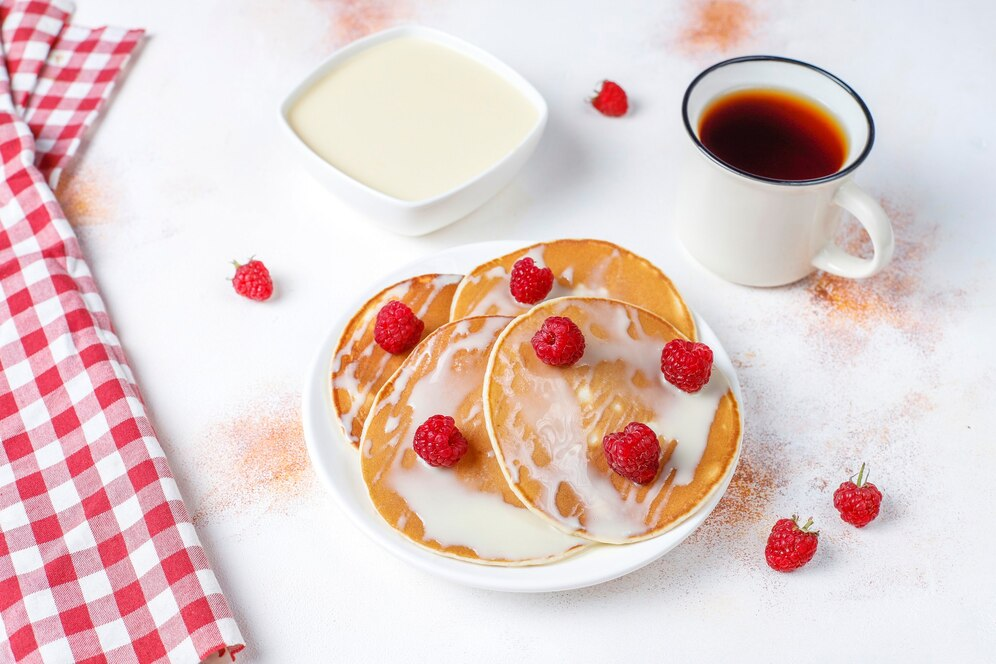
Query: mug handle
{"points": [[870, 214]]}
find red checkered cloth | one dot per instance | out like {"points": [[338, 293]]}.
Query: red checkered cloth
{"points": [[99, 561], [78, 76]]}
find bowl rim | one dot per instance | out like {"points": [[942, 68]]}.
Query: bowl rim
{"points": [[439, 37]]}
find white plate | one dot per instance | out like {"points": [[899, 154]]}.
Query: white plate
{"points": [[338, 464]]}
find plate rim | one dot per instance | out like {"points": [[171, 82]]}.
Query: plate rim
{"points": [[319, 422]]}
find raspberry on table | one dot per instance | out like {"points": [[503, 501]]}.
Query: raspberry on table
{"points": [[858, 502], [634, 452], [397, 329], [439, 442], [530, 283], [686, 364], [252, 280], [559, 342], [611, 100], [789, 545]]}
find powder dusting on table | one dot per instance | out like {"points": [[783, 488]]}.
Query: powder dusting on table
{"points": [[916, 404], [801, 441], [258, 458], [716, 25], [353, 19], [746, 500], [768, 464], [743, 516], [898, 297], [890, 434], [85, 196]]}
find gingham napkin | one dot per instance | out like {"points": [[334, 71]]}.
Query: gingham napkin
{"points": [[98, 559]]}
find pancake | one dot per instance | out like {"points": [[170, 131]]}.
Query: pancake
{"points": [[547, 423], [360, 367], [466, 511], [580, 267]]}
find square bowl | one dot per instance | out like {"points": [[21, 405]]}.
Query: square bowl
{"points": [[429, 214]]}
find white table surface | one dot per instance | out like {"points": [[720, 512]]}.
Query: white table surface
{"points": [[188, 170]]}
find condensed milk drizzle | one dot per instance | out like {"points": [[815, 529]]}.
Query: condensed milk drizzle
{"points": [[348, 379], [565, 419], [345, 377], [499, 299], [453, 513]]}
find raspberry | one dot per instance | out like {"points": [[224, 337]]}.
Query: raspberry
{"points": [[858, 503], [789, 546], [439, 442], [686, 365], [634, 453], [252, 280], [530, 283], [559, 342], [397, 330], [611, 100]]}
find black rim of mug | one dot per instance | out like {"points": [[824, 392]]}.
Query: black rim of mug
{"points": [[760, 178]]}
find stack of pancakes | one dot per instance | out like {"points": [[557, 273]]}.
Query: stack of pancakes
{"points": [[534, 485]]}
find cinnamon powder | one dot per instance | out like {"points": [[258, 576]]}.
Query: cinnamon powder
{"points": [[898, 297], [85, 197], [840, 318], [748, 499], [353, 19], [716, 25], [750, 492], [259, 459]]}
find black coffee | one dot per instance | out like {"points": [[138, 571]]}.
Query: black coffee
{"points": [[774, 134]]}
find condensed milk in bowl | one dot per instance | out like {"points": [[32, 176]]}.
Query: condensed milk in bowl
{"points": [[414, 127]]}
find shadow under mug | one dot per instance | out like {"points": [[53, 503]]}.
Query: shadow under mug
{"points": [[761, 231]]}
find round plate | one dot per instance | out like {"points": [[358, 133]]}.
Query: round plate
{"points": [[338, 464]]}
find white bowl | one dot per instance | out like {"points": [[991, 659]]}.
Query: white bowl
{"points": [[423, 216], [338, 465]]}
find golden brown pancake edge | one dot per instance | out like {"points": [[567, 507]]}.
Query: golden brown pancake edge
{"points": [[663, 298], [731, 419]]}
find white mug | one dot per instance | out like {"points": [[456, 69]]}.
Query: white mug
{"points": [[760, 231]]}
